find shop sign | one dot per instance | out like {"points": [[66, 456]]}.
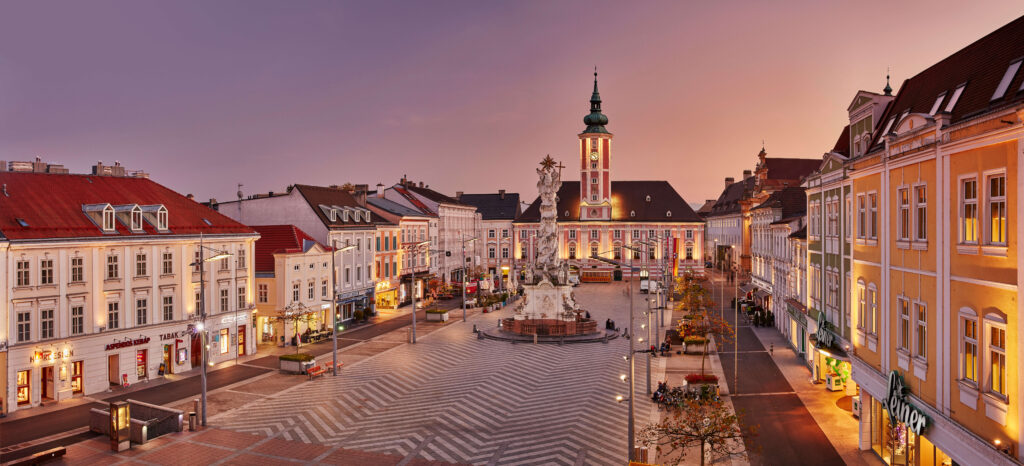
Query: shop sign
{"points": [[127, 343], [900, 409], [825, 337], [172, 335]]}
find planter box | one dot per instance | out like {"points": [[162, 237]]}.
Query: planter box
{"points": [[695, 347], [437, 317], [297, 367]]}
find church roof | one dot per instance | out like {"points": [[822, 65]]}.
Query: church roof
{"points": [[629, 203]]}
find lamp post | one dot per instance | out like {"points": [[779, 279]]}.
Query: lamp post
{"points": [[218, 255], [334, 301], [413, 249], [736, 344], [632, 362], [464, 270]]}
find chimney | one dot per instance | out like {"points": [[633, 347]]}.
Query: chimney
{"points": [[501, 194], [360, 193], [190, 197], [747, 174], [421, 184], [458, 195], [729, 180]]}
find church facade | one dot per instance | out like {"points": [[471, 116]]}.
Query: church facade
{"points": [[600, 216]]}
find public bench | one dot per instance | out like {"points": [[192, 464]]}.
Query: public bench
{"points": [[315, 371], [338, 367]]}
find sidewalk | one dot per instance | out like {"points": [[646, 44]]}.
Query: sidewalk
{"points": [[821, 403]]}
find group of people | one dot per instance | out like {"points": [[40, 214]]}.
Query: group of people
{"points": [[609, 324], [665, 349]]}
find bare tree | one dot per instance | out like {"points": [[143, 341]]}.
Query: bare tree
{"points": [[707, 424]]}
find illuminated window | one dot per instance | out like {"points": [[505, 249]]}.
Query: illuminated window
{"points": [[921, 333], [997, 210], [969, 211], [969, 357], [996, 359], [920, 213], [904, 329], [903, 196]]}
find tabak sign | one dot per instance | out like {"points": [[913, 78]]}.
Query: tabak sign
{"points": [[900, 409], [127, 342]]}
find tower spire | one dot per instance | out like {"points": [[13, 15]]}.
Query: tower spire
{"points": [[596, 120], [888, 89]]}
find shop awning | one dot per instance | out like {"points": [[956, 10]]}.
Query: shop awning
{"points": [[746, 288], [833, 351], [761, 294]]}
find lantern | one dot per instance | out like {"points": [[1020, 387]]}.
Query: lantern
{"points": [[120, 426]]}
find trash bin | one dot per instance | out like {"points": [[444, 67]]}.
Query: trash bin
{"points": [[192, 421]]}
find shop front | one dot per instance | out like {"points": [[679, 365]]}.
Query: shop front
{"points": [[60, 370], [797, 334], [830, 363], [387, 296], [229, 336]]}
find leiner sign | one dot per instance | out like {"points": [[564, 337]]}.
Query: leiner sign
{"points": [[900, 410]]}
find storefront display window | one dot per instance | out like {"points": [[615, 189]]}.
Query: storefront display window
{"points": [[140, 364], [224, 340], [24, 388], [76, 377], [899, 446]]}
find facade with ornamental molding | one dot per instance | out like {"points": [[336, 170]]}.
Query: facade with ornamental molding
{"points": [[598, 215]]}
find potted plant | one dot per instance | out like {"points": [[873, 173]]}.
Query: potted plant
{"points": [[437, 315], [296, 363], [357, 315], [694, 341]]}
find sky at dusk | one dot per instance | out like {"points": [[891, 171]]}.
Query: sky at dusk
{"points": [[465, 96]]}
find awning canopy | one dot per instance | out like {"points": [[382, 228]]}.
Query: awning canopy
{"points": [[833, 351], [761, 294], [746, 288]]}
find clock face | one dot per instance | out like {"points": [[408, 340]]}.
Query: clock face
{"points": [[593, 155]]}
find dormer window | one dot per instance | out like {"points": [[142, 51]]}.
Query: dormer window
{"points": [[632, 213], [669, 214], [956, 96], [332, 214], [648, 198], [938, 102], [136, 219], [344, 215], [1004, 84], [108, 218], [161, 218]]}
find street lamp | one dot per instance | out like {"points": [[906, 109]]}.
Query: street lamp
{"points": [[464, 270], [334, 301], [632, 362], [413, 250], [217, 255], [736, 334]]}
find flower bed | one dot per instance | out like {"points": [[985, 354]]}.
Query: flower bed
{"points": [[699, 379], [695, 340], [295, 362]]}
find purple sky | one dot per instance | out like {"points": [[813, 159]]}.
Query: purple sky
{"points": [[466, 96]]}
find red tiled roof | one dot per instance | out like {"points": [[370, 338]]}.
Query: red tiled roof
{"points": [[843, 143], [981, 65], [278, 239], [51, 205]]}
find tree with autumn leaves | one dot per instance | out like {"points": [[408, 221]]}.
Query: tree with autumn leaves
{"points": [[706, 424], [700, 319]]}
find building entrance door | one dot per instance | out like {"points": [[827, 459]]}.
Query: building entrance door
{"points": [[241, 340], [168, 357], [617, 275], [113, 369], [196, 348], [47, 384]]}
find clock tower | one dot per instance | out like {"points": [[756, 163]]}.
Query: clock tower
{"points": [[595, 163]]}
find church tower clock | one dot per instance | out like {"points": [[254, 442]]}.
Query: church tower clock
{"points": [[595, 163]]}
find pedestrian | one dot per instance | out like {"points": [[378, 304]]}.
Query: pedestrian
{"points": [[771, 349]]}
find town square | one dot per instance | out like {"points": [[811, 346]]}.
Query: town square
{"points": [[511, 233]]}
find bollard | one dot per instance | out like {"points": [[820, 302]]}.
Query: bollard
{"points": [[535, 338], [192, 421]]}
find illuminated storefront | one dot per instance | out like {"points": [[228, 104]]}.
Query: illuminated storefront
{"points": [[387, 296], [830, 363]]}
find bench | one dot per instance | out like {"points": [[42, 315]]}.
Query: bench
{"points": [[315, 371], [42, 457], [338, 367]]}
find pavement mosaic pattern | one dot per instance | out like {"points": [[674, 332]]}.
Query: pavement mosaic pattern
{"points": [[454, 398]]}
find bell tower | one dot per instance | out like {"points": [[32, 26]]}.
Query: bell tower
{"points": [[595, 163]]}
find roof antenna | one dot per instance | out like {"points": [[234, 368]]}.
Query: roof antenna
{"points": [[888, 89]]}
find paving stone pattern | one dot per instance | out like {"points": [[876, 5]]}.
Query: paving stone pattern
{"points": [[457, 399]]}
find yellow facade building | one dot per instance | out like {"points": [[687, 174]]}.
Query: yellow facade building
{"points": [[936, 270]]}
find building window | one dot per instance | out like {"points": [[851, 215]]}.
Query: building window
{"points": [[969, 368], [572, 234], [263, 293], [310, 291], [224, 265], [689, 234], [490, 233], [77, 320], [242, 302], [113, 316], [45, 324], [504, 233], [490, 252], [997, 210], [242, 263], [873, 214], [969, 211], [378, 244], [168, 308], [997, 359], [873, 303], [168, 263], [862, 304], [23, 273], [847, 214], [593, 250], [617, 234], [903, 196], [522, 234], [24, 326], [572, 251], [861, 217], [323, 288], [617, 252], [225, 336], [636, 255], [108, 219], [224, 300], [161, 218], [359, 272], [504, 253], [921, 335], [920, 213], [651, 253], [295, 292], [595, 234], [636, 234], [46, 272], [199, 301], [112, 272], [141, 312], [136, 219], [140, 264], [77, 269], [689, 253], [904, 335], [196, 263]]}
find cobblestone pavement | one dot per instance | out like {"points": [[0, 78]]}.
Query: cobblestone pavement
{"points": [[454, 398]]}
